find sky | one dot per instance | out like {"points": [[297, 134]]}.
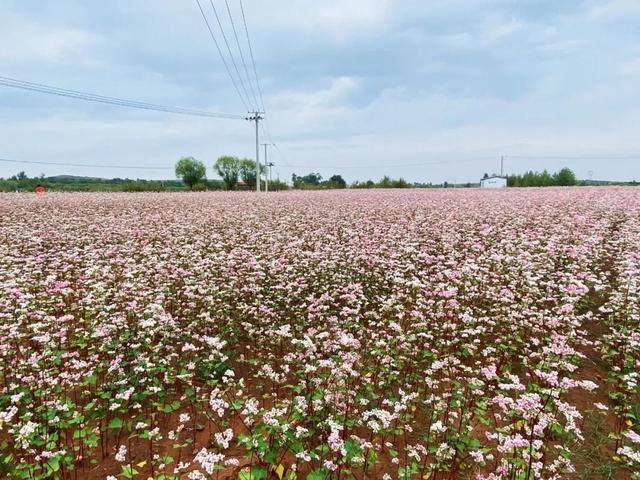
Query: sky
{"points": [[428, 90]]}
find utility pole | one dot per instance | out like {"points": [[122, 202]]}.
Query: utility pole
{"points": [[256, 117], [270, 164], [502, 166], [266, 164]]}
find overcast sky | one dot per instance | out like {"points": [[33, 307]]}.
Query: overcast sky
{"points": [[429, 90]]}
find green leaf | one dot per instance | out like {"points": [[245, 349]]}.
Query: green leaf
{"points": [[115, 423], [290, 475], [256, 473], [54, 463], [320, 474], [353, 449], [271, 456], [128, 471]]}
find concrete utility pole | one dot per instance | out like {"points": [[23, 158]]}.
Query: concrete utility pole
{"points": [[266, 164], [256, 117], [502, 166], [270, 164]]}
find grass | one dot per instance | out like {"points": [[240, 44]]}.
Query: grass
{"points": [[594, 459]]}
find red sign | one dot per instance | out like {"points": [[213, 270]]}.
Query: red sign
{"points": [[40, 189]]}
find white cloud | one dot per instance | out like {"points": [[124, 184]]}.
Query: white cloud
{"points": [[26, 43], [499, 30], [487, 32], [630, 67], [561, 46], [335, 19], [312, 110], [612, 9]]}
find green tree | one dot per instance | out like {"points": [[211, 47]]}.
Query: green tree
{"points": [[191, 171], [247, 169], [311, 180], [228, 168], [336, 181], [400, 183], [367, 184], [385, 182], [20, 177], [565, 178]]}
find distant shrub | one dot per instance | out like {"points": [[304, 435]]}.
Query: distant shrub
{"points": [[277, 185], [142, 186], [199, 187], [385, 182], [215, 185], [365, 184]]}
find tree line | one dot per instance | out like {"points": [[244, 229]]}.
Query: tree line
{"points": [[241, 173], [563, 178], [235, 173], [71, 183], [314, 181]]}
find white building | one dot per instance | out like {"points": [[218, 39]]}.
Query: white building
{"points": [[493, 182]]}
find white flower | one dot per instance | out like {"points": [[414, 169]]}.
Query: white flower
{"points": [[121, 456], [223, 439]]}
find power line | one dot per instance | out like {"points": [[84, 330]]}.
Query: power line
{"points": [[224, 61], [244, 63], [255, 72], [574, 157], [92, 97], [265, 127], [65, 164], [253, 61], [471, 159], [233, 60], [265, 130], [282, 155], [421, 164]]}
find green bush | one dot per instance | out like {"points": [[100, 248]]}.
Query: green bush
{"points": [[199, 187], [143, 186], [277, 185]]}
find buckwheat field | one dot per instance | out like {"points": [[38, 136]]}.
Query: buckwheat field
{"points": [[418, 334]]}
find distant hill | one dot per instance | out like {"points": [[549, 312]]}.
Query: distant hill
{"points": [[75, 178]]}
